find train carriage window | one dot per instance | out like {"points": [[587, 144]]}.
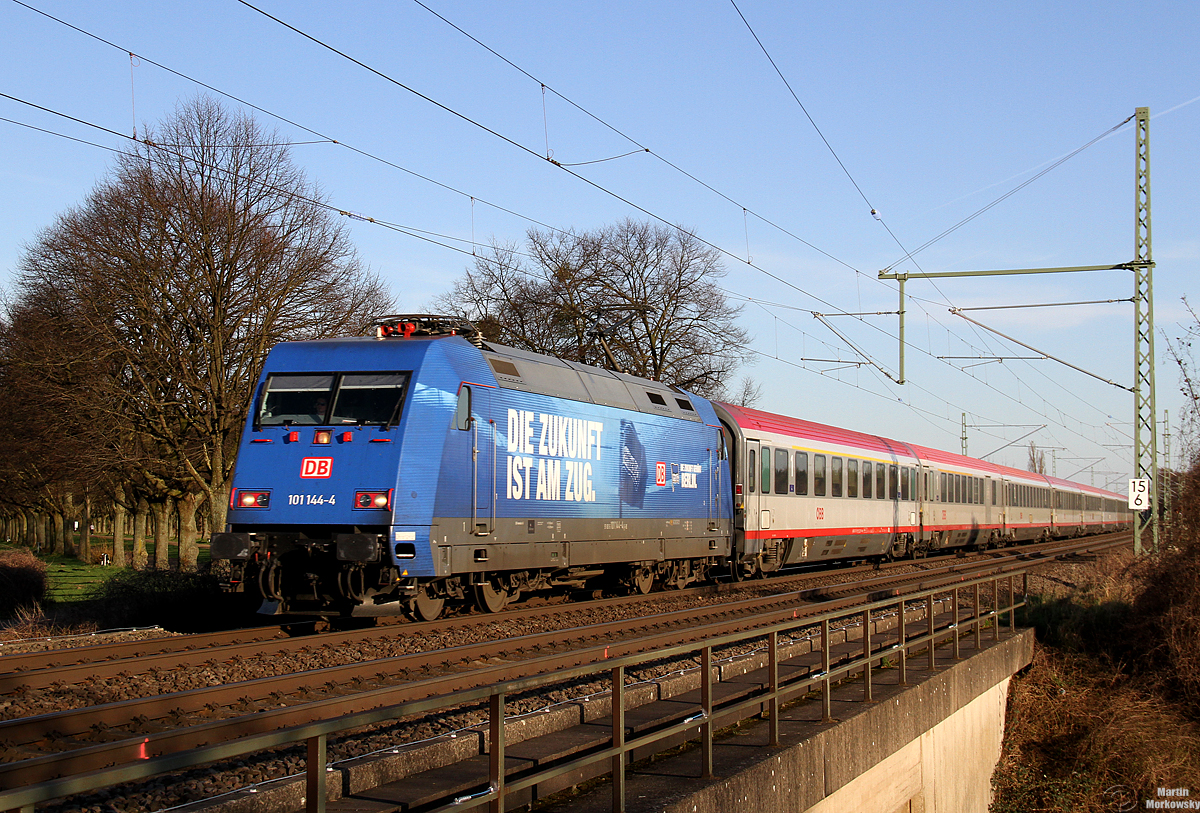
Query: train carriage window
{"points": [[781, 471], [766, 470], [750, 473], [801, 473], [851, 478], [866, 475], [819, 475], [992, 488], [881, 492], [975, 490], [905, 483], [835, 477], [893, 481]]}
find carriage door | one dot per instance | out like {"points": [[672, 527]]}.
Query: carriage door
{"points": [[472, 417], [752, 489]]}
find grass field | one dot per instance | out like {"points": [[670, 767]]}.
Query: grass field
{"points": [[69, 579]]}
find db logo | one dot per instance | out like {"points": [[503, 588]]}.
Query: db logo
{"points": [[820, 513], [660, 474], [316, 467]]}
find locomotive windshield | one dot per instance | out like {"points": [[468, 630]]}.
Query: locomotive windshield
{"points": [[304, 399]]}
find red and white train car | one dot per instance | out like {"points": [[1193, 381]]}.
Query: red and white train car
{"points": [[807, 492]]}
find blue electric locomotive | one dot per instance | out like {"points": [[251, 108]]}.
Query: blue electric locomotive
{"points": [[391, 474]]}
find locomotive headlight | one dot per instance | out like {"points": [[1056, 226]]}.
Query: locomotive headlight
{"points": [[323, 436], [373, 500], [252, 499]]}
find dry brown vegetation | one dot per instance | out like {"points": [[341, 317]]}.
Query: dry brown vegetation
{"points": [[22, 581], [1109, 711]]}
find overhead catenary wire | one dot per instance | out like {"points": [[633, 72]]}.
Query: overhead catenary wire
{"points": [[242, 101], [401, 228]]}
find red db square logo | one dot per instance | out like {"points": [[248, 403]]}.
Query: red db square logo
{"points": [[660, 474], [316, 467]]}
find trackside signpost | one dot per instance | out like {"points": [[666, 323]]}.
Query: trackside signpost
{"points": [[1139, 494]]}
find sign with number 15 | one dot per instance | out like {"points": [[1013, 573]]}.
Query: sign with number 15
{"points": [[1139, 494]]}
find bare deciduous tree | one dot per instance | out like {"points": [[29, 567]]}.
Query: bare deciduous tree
{"points": [[652, 289], [204, 247], [1037, 459]]}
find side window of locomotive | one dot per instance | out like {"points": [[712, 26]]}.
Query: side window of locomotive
{"points": [[462, 415], [369, 398], [750, 472], [766, 470], [881, 492], [801, 473], [296, 399], [835, 477], [781, 471], [819, 475], [851, 478], [866, 474]]}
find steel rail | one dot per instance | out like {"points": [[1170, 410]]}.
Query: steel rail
{"points": [[23, 671]]}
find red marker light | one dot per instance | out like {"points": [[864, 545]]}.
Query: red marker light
{"points": [[347, 437], [293, 437], [373, 500], [252, 499]]}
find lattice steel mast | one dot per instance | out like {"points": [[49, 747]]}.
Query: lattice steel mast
{"points": [[1145, 434]]}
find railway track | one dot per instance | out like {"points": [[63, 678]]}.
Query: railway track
{"points": [[70, 742]]}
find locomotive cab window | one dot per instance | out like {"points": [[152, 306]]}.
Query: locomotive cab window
{"points": [[322, 400], [369, 399], [302, 400], [462, 415]]}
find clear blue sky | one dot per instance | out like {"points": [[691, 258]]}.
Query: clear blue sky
{"points": [[935, 109]]}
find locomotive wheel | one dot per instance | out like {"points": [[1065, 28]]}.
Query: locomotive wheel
{"points": [[425, 607], [641, 581], [490, 596]]}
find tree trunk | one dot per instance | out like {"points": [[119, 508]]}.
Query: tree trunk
{"points": [[140, 557], [218, 508], [85, 529], [56, 533], [118, 532], [68, 524], [162, 531], [40, 521], [189, 551]]}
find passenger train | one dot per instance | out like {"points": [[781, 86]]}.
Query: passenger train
{"points": [[424, 466]]}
